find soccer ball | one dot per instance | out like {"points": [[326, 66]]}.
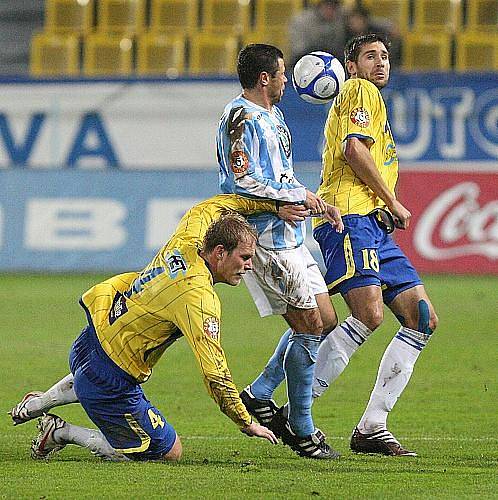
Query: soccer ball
{"points": [[318, 77]]}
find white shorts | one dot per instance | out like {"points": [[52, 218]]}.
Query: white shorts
{"points": [[284, 277]]}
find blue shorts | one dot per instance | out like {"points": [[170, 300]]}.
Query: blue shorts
{"points": [[116, 403], [362, 255]]}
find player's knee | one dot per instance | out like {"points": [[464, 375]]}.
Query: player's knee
{"points": [[175, 453], [371, 317], [312, 322], [328, 325]]}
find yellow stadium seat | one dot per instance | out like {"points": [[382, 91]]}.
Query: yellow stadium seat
{"points": [[482, 15], [437, 15], [229, 16], [160, 54], [54, 55], [475, 52], [397, 11], [174, 16], [213, 54], [120, 16], [107, 55], [69, 16], [275, 14], [278, 38], [427, 52]]}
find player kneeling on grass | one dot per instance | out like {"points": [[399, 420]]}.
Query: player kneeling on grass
{"points": [[132, 319]]}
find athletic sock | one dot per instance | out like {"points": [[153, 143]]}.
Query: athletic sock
{"points": [[59, 394], [91, 439], [299, 365], [394, 373], [273, 374], [335, 352]]}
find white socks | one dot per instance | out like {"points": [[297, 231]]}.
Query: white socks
{"points": [[335, 352], [61, 393], [394, 373], [91, 439]]}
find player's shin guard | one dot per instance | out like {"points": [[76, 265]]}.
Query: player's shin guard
{"points": [[299, 365], [394, 374], [91, 439], [273, 374], [335, 352], [59, 394]]}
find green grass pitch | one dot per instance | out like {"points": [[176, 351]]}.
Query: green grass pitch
{"points": [[448, 414]]}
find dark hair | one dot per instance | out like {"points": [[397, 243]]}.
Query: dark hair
{"points": [[352, 49], [229, 230], [254, 59]]}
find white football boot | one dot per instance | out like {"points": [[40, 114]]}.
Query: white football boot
{"points": [[45, 444], [20, 413]]}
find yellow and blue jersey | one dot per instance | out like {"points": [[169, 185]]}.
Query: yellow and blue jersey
{"points": [[136, 316], [358, 111]]}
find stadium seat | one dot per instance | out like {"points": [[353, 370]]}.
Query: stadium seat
{"points": [[475, 52], [174, 16], [397, 11], [482, 15], [437, 15], [275, 14], [54, 55], [120, 16], [69, 16], [107, 55], [160, 54], [229, 16], [427, 52], [213, 54], [278, 37]]}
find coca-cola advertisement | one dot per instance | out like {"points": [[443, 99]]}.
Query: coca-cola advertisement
{"points": [[454, 228]]}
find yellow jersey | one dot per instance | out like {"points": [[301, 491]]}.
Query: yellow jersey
{"points": [[138, 315], [358, 111]]}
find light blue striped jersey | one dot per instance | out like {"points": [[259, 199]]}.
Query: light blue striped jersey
{"points": [[255, 157]]}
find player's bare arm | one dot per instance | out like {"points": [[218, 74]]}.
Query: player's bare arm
{"points": [[314, 203], [360, 160]]}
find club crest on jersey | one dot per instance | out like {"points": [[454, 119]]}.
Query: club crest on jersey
{"points": [[212, 327], [239, 162], [285, 140], [360, 117], [176, 264]]}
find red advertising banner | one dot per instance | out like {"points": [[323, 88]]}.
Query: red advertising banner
{"points": [[454, 228]]}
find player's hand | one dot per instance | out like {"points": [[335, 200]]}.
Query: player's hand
{"points": [[333, 215], [401, 215], [315, 204], [292, 213], [254, 429]]}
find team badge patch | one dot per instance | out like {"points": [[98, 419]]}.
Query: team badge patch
{"points": [[239, 162], [212, 328], [285, 140], [360, 117]]}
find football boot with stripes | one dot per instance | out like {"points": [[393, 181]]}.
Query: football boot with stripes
{"points": [[382, 442], [312, 446], [261, 409], [45, 444], [20, 413]]}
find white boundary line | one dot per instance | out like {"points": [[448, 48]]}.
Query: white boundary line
{"points": [[342, 438]]}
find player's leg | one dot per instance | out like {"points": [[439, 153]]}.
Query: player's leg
{"points": [[406, 297], [36, 403]]}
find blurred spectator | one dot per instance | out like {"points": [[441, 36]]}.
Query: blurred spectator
{"points": [[359, 22], [18, 20], [320, 27]]}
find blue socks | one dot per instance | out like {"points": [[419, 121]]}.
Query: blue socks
{"points": [[299, 366], [273, 374]]}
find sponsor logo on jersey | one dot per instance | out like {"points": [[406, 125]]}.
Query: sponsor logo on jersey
{"points": [[391, 155], [118, 308], [212, 327], [285, 140], [239, 162], [360, 117]]}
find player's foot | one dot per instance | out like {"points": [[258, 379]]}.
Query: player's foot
{"points": [[20, 413], [45, 444], [261, 409], [312, 446], [382, 442]]}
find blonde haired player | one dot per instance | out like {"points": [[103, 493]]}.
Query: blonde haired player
{"points": [[359, 175], [132, 319]]}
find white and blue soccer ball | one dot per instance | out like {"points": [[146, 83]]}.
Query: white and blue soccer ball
{"points": [[318, 77]]}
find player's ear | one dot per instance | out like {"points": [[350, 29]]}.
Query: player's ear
{"points": [[219, 252], [351, 68], [264, 78]]}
